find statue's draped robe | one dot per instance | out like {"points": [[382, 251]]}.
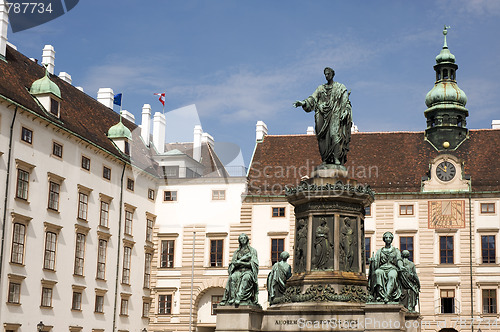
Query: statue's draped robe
{"points": [[276, 280], [333, 117], [242, 282], [411, 285], [383, 280], [322, 248]]}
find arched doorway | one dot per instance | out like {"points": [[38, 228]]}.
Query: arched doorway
{"points": [[206, 317]]}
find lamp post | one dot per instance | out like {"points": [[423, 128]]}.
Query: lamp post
{"points": [[40, 326]]}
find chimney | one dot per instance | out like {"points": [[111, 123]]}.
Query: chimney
{"points": [[354, 128], [146, 123], [49, 57], [310, 130], [65, 77], [261, 131], [207, 138], [4, 24], [106, 96], [127, 115], [197, 133], [495, 124], [159, 132]]}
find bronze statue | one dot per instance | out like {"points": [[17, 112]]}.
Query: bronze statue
{"points": [[333, 118], [383, 281], [322, 246], [242, 287], [276, 279], [300, 246], [409, 282], [347, 244]]}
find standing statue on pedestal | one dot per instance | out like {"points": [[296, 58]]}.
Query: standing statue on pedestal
{"points": [[300, 246], [242, 287], [276, 279], [383, 281], [333, 118], [410, 282], [322, 246], [347, 244]]}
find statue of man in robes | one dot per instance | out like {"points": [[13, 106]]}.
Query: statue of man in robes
{"points": [[276, 279], [333, 118]]}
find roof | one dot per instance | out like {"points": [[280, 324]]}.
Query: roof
{"points": [[80, 114], [390, 162]]}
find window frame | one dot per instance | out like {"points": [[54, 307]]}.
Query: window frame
{"points": [[104, 213], [491, 308], [85, 163], [54, 145], [367, 252], [167, 307], [151, 194], [101, 256], [148, 261], [216, 255], [106, 173], [50, 251], [99, 303], [487, 209], [490, 258], [124, 304], [46, 296], [172, 196], [130, 184], [150, 223], [14, 297], [404, 210], [22, 184], [280, 212], [28, 139], [76, 305], [453, 302], [218, 195], [446, 250], [129, 222], [127, 261], [214, 304], [169, 263], [18, 245], [412, 250], [83, 205], [79, 263], [276, 253], [54, 195]]}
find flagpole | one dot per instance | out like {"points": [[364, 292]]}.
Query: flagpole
{"points": [[164, 102], [121, 103]]}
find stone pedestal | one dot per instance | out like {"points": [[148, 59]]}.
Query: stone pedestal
{"points": [[242, 318]]}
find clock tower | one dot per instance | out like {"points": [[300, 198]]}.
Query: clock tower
{"points": [[446, 112]]}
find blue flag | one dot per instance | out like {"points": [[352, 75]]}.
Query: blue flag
{"points": [[118, 99]]}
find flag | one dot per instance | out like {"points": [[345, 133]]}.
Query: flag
{"points": [[162, 97], [118, 99]]}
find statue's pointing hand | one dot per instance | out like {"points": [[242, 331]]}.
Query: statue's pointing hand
{"points": [[298, 103]]}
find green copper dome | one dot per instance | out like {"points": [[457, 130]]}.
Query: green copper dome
{"points": [[445, 92], [45, 85], [119, 131]]}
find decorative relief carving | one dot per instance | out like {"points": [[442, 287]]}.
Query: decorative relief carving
{"points": [[325, 293]]}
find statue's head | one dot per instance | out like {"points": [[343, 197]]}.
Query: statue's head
{"points": [[284, 256], [243, 239], [405, 254], [388, 237], [323, 221], [329, 70]]}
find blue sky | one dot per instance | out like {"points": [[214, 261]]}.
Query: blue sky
{"points": [[244, 61]]}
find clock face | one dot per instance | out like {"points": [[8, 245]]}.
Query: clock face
{"points": [[446, 214], [445, 171]]}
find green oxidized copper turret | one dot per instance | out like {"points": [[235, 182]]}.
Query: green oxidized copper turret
{"points": [[45, 85], [446, 112]]}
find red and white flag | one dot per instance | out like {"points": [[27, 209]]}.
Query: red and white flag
{"points": [[162, 97]]}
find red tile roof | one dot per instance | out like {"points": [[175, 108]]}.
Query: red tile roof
{"points": [[387, 161]]}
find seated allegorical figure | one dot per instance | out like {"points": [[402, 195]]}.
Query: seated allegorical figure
{"points": [[383, 275], [242, 287], [276, 279]]}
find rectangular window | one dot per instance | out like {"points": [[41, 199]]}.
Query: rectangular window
{"points": [[488, 251], [83, 200], [79, 254], [216, 253], [151, 194], [18, 238], [46, 297], [104, 217], [99, 303], [218, 195], [101, 259], [76, 303], [54, 195], [169, 196], [164, 304], [130, 184], [145, 309], [487, 208], [368, 211], [85, 163], [368, 249], [149, 230], [127, 256], [277, 247], [215, 301], [446, 249], [57, 149], [106, 173], [49, 258], [124, 307], [278, 211], [27, 135], [128, 222], [489, 301], [14, 293], [147, 270], [167, 253], [171, 171], [54, 107], [406, 243], [406, 210], [447, 301], [23, 179]]}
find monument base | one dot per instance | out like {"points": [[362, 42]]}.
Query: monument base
{"points": [[331, 316]]}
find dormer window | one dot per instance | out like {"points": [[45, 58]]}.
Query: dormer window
{"points": [[127, 148], [54, 107]]}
